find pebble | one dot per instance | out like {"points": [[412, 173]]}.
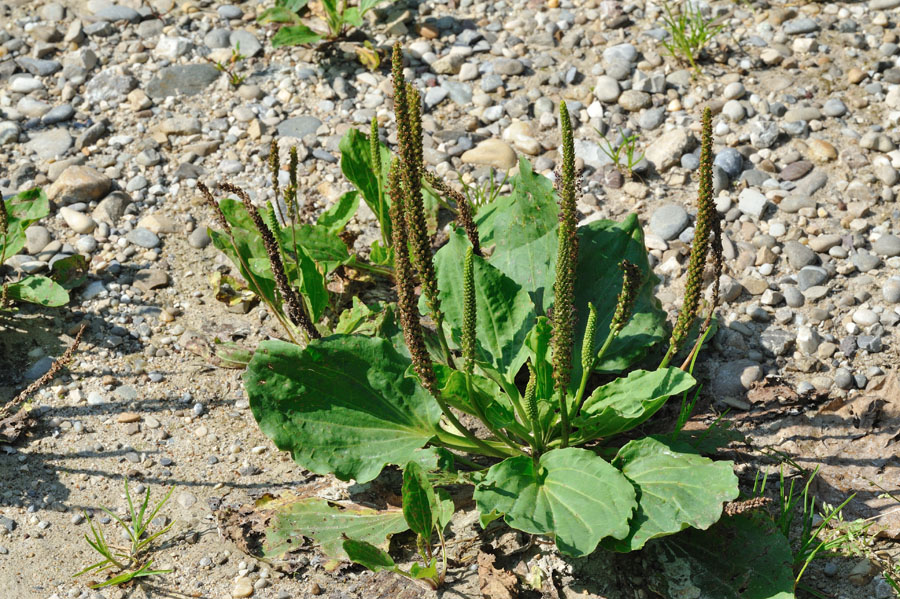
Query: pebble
{"points": [[799, 255], [730, 161], [606, 89], [752, 203], [668, 221], [666, 151], [77, 221], [891, 290], [79, 183], [633, 100], [142, 237], [887, 245], [243, 587]]}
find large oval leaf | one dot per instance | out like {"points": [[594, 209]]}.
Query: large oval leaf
{"points": [[505, 314], [36, 289], [676, 489], [327, 523], [342, 405], [524, 231], [602, 245], [628, 401], [576, 496]]}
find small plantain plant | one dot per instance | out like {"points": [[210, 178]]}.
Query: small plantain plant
{"points": [[537, 326], [622, 153], [16, 215], [284, 260], [337, 15]]}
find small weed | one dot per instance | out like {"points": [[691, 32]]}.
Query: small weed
{"points": [[130, 561], [690, 31], [623, 153], [484, 193], [229, 68], [812, 541]]}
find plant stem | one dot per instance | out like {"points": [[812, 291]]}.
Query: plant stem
{"points": [[480, 413], [579, 396], [442, 338], [463, 443], [373, 268]]}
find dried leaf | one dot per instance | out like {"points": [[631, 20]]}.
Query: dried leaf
{"points": [[494, 583]]}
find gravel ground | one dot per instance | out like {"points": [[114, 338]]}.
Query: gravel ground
{"points": [[117, 112]]}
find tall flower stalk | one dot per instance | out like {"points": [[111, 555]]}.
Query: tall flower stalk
{"points": [[707, 226], [407, 307], [409, 137], [563, 319]]}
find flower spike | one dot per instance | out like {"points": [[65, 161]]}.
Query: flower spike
{"points": [[563, 319], [295, 308], [469, 312], [707, 220]]}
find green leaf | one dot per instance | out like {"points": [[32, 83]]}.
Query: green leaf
{"points": [[602, 245], [352, 17], [295, 35], [36, 289], [418, 499], [70, 272], [497, 406], [628, 401], [577, 496], [336, 217], [342, 405], [443, 508], [368, 555], [741, 557], [383, 256], [524, 230], [23, 209], [323, 246], [419, 572], [356, 164], [326, 523], [505, 314], [232, 355], [311, 283], [367, 5], [676, 489], [278, 14]]}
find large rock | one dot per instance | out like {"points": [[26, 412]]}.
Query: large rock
{"points": [[665, 152], [50, 144], [112, 83], [79, 184], [186, 80], [491, 152]]}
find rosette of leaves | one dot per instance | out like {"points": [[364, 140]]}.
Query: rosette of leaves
{"points": [[284, 258], [525, 308], [17, 214], [335, 17]]}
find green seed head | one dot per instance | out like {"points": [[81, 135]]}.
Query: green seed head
{"points": [[469, 311], [632, 280], [707, 218], [567, 257], [590, 332], [374, 153], [531, 394], [274, 166]]}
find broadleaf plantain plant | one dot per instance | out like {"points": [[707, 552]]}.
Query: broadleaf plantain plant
{"points": [[536, 323]]}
